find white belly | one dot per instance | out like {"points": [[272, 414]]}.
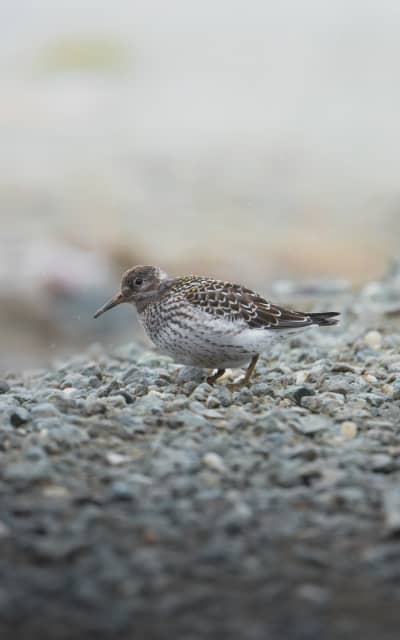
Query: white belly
{"points": [[209, 342]]}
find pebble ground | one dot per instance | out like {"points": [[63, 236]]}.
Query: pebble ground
{"points": [[138, 502]]}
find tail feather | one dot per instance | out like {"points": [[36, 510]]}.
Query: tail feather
{"points": [[325, 319]]}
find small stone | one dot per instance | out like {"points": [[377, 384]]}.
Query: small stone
{"points": [[44, 410], [186, 418], [27, 472], [65, 435], [262, 389], [73, 380], [94, 406], [70, 393], [224, 395], [298, 393], [35, 453], [309, 425], [116, 459], [313, 593], [190, 374], [118, 401], [120, 490], [387, 388], [381, 462], [349, 429], [373, 339], [244, 395], [152, 403], [19, 416], [94, 382], [201, 392], [327, 402], [214, 461], [301, 377], [56, 491], [368, 377], [212, 402], [4, 386]]}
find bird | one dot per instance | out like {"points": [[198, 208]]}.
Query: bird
{"points": [[209, 323]]}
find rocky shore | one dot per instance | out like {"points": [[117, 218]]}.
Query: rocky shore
{"points": [[137, 501]]}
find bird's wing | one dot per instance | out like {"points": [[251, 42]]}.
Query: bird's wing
{"points": [[234, 302]]}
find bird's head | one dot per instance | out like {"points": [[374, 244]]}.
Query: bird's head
{"points": [[138, 285]]}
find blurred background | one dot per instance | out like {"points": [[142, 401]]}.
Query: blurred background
{"points": [[256, 141]]}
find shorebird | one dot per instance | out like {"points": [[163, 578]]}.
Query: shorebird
{"points": [[209, 323]]}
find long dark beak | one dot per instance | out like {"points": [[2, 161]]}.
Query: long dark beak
{"points": [[118, 299]]}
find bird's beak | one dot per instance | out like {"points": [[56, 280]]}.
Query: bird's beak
{"points": [[118, 299]]}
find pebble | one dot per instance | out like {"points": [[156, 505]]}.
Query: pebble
{"points": [[65, 435], [214, 461], [298, 393], [373, 339], [313, 593], [121, 490], [371, 379], [115, 459], [44, 410], [4, 386], [19, 416], [349, 429], [382, 462], [152, 403], [301, 377], [310, 425], [129, 474], [27, 472], [190, 374]]}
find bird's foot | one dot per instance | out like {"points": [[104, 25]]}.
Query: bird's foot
{"points": [[215, 376], [245, 381]]}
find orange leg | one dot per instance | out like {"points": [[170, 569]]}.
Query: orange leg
{"points": [[249, 372]]}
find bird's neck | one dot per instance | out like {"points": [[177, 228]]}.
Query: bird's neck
{"points": [[151, 297]]}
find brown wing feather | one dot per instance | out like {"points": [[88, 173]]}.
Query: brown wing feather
{"points": [[234, 302]]}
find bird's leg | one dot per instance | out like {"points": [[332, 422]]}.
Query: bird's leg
{"points": [[246, 379], [215, 376]]}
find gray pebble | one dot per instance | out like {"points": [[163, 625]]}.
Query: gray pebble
{"points": [[152, 403], [309, 425], [66, 435], [44, 410], [27, 472], [382, 462], [190, 374]]}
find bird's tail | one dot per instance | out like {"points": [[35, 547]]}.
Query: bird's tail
{"points": [[326, 319]]}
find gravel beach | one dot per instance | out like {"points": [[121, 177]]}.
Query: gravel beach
{"points": [[137, 501]]}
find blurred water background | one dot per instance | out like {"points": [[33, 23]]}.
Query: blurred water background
{"points": [[256, 141]]}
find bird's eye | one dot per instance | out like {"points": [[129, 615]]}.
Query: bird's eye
{"points": [[138, 281]]}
